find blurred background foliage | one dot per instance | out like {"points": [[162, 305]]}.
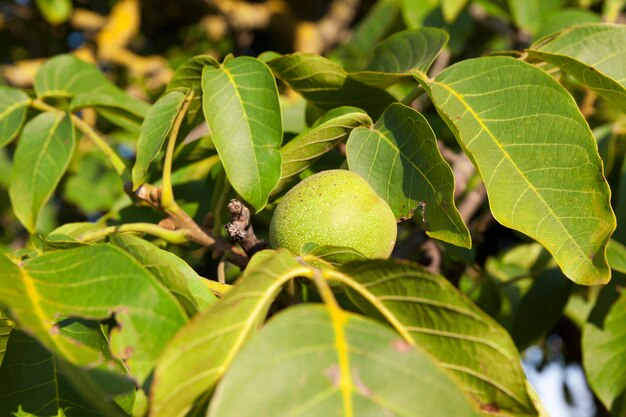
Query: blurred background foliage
{"points": [[139, 44]]}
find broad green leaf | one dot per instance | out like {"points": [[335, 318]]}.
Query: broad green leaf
{"points": [[42, 383], [55, 11], [68, 76], [562, 18], [594, 54], [326, 84], [241, 107], [189, 76], [66, 235], [6, 326], [526, 14], [400, 159], [92, 282], [334, 363], [539, 160], [203, 350], [431, 314], [13, 106], [452, 8], [172, 271], [306, 148], [616, 254], [604, 357], [154, 130], [332, 255], [378, 23], [408, 50], [416, 12], [43, 154]]}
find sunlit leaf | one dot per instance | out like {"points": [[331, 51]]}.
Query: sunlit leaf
{"points": [[42, 155], [452, 8], [13, 106], [55, 11], [430, 313], [400, 159], [69, 77], [326, 84], [241, 107], [334, 363], [536, 155], [309, 146], [201, 352], [172, 271], [594, 54], [154, 130], [92, 282]]}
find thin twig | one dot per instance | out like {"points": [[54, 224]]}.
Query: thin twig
{"points": [[240, 228]]}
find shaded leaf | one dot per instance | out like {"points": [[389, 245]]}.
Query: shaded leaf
{"points": [[326, 84], [241, 107], [6, 326], [341, 364], [594, 54], [13, 106], [430, 313], [604, 357], [616, 255], [564, 17], [306, 148], [172, 271], [92, 282], [539, 160], [526, 14], [42, 155], [201, 352], [400, 159], [452, 8], [408, 50], [69, 77], [154, 130]]}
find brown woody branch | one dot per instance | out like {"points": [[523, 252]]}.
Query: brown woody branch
{"points": [[240, 229]]}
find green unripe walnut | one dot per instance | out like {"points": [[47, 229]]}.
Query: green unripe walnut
{"points": [[337, 208]]}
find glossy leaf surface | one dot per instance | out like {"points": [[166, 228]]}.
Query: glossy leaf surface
{"points": [[334, 363], [400, 159], [154, 130], [241, 107], [42, 155], [536, 155]]}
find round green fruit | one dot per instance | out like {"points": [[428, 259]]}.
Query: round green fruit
{"points": [[335, 208]]}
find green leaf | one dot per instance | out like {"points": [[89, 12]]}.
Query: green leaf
{"points": [[327, 85], [306, 148], [242, 110], [616, 254], [92, 282], [341, 364], [43, 154], [57, 385], [333, 255], [408, 50], [69, 77], [594, 54], [430, 313], [539, 160], [201, 352], [188, 76], [526, 14], [400, 159], [172, 271], [452, 8], [154, 130], [6, 326], [562, 18], [13, 106], [604, 357], [378, 23], [55, 11]]}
